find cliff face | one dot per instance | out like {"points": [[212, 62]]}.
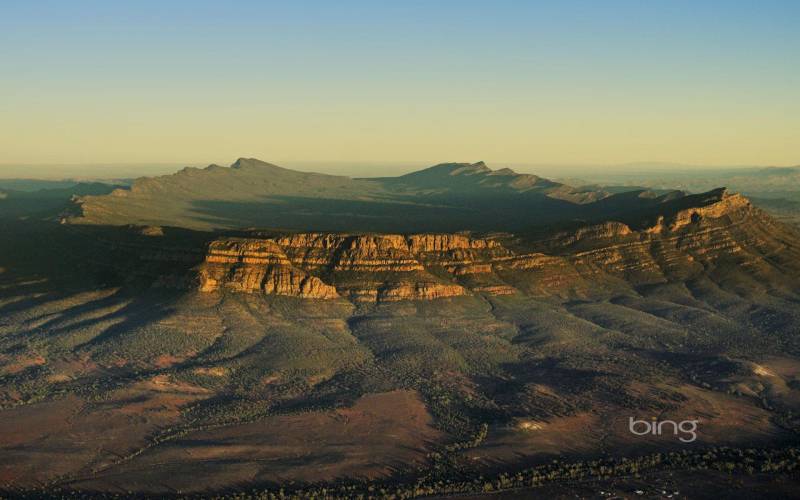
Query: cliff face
{"points": [[249, 265], [592, 259], [726, 204], [713, 237], [359, 267]]}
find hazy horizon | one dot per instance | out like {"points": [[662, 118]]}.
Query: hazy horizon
{"points": [[570, 84], [354, 168]]}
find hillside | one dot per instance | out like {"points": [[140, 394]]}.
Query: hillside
{"points": [[250, 193], [775, 189], [27, 198]]}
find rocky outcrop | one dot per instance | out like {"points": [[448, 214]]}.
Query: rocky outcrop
{"points": [[246, 251], [495, 289], [375, 253], [418, 291], [606, 230], [392, 267], [271, 280], [249, 265], [420, 243], [726, 205], [364, 267]]}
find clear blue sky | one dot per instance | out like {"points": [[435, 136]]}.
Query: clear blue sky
{"points": [[715, 82]]}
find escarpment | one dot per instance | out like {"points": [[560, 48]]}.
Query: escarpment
{"points": [[727, 205], [249, 265], [608, 257], [714, 235], [360, 267]]}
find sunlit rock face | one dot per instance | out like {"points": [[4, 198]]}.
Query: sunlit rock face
{"points": [[724, 228]]}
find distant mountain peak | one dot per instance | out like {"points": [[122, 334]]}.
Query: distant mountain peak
{"points": [[451, 169], [480, 165], [251, 163], [504, 171]]}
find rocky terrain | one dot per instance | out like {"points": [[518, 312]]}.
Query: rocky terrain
{"points": [[342, 354], [775, 189], [686, 241]]}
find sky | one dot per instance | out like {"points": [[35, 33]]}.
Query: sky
{"points": [[591, 83]]}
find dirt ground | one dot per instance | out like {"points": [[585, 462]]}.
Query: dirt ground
{"points": [[40, 443], [721, 420], [380, 432]]}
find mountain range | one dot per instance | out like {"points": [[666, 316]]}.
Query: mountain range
{"points": [[457, 330], [446, 197]]}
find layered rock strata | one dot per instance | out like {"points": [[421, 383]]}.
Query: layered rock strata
{"points": [[392, 267]]}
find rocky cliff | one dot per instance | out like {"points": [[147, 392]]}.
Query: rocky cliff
{"points": [[360, 267], [720, 229], [249, 265]]}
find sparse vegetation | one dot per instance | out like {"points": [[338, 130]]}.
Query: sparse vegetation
{"points": [[500, 392]]}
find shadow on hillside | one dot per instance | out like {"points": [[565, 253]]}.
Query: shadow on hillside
{"points": [[398, 214], [46, 257], [81, 286]]}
